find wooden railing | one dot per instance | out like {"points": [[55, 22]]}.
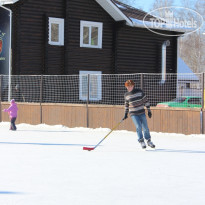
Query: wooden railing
{"points": [[167, 120]]}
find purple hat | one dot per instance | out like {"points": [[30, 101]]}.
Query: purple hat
{"points": [[12, 101]]}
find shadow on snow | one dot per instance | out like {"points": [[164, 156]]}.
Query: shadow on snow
{"points": [[178, 151], [44, 144], [44, 131], [9, 192]]}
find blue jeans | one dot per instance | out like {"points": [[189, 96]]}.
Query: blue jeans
{"points": [[140, 122]]}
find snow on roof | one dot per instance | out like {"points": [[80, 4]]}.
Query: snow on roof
{"points": [[2, 2], [134, 17], [184, 72], [132, 12], [123, 12], [111, 8], [121, 6], [161, 26]]}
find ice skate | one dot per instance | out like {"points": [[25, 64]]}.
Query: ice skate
{"points": [[150, 144], [143, 145]]}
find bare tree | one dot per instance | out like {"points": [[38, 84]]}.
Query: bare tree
{"points": [[128, 2], [132, 3], [191, 50], [162, 3], [192, 46]]}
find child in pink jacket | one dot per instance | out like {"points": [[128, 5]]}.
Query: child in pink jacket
{"points": [[12, 111]]}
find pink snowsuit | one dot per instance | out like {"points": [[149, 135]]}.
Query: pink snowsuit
{"points": [[12, 110]]}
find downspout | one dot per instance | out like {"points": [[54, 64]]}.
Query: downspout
{"points": [[177, 69], [164, 56], [202, 106], [9, 90]]}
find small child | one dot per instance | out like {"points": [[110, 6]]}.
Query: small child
{"points": [[12, 111]]}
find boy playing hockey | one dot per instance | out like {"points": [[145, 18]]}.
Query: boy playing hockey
{"points": [[135, 100]]}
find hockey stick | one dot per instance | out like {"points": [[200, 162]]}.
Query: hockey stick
{"points": [[92, 148]]}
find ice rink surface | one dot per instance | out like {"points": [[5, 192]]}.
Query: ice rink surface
{"points": [[46, 165]]}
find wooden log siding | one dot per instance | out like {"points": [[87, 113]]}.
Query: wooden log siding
{"points": [[30, 38], [90, 59], [139, 51], [172, 120], [124, 49]]}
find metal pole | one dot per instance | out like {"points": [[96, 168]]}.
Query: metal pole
{"points": [[202, 106], [0, 88], [41, 99], [203, 90], [88, 93], [9, 90], [0, 97], [141, 81], [10, 56]]}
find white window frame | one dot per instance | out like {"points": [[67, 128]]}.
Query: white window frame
{"points": [[60, 22], [90, 24], [99, 85]]}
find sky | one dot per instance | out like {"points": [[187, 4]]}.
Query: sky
{"points": [[46, 165], [147, 4]]}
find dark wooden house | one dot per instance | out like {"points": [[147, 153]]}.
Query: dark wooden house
{"points": [[122, 47], [66, 37]]}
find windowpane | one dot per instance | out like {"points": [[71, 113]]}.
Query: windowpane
{"points": [[94, 86], [84, 86], [194, 101], [55, 32], [86, 35], [91, 34], [94, 36]]}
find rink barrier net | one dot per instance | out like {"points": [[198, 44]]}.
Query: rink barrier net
{"points": [[104, 89]]}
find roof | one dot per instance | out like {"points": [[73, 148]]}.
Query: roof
{"points": [[131, 12], [2, 2], [123, 12], [111, 7], [120, 12], [134, 17]]}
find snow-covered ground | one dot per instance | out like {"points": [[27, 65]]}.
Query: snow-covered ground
{"points": [[46, 165]]}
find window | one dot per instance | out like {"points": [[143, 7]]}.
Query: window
{"points": [[95, 86], [90, 34], [56, 31], [188, 85], [195, 101], [179, 100]]}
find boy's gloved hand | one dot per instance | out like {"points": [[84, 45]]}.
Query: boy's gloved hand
{"points": [[149, 113], [125, 117]]}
